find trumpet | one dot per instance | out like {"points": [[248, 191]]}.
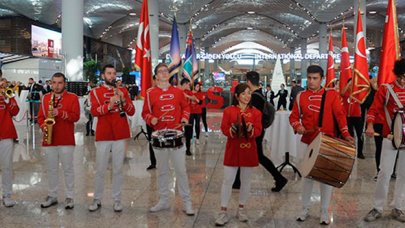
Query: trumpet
{"points": [[7, 92]]}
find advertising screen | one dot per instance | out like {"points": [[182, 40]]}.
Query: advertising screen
{"points": [[218, 76], [45, 42]]}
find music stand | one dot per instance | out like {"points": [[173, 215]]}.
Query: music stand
{"points": [[141, 132], [287, 162]]}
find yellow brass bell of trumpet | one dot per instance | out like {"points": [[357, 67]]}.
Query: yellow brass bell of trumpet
{"points": [[7, 92]]}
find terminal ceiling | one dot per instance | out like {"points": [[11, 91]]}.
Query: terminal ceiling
{"points": [[219, 25]]}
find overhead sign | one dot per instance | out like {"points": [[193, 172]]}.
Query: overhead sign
{"points": [[283, 56]]}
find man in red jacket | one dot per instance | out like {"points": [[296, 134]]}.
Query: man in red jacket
{"points": [[304, 119], [8, 109], [111, 106], [66, 111], [388, 100], [166, 107]]}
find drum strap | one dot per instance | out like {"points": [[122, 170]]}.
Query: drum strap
{"points": [[322, 110], [399, 104]]}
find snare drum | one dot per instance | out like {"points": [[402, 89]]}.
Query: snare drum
{"points": [[398, 129], [329, 160], [167, 138]]}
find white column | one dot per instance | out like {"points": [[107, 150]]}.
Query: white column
{"points": [[292, 64], [323, 44], [304, 62], [153, 7], [72, 38]]}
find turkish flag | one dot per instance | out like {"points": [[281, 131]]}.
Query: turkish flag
{"points": [[345, 68], [361, 80], [143, 56], [390, 46], [330, 73]]}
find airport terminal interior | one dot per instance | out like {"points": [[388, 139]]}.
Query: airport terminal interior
{"points": [[224, 39]]}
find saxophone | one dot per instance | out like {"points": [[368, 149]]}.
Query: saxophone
{"points": [[49, 122]]}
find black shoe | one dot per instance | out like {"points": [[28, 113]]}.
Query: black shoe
{"points": [[361, 156], [236, 186], [188, 153], [279, 185], [87, 134], [92, 133], [394, 176], [151, 167]]}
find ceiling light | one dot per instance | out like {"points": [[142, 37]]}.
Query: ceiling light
{"points": [[251, 12], [249, 28], [372, 12], [132, 14]]}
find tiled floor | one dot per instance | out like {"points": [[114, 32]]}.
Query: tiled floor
{"points": [[205, 170]]}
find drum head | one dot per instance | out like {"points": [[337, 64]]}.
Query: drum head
{"points": [[398, 129], [311, 155]]}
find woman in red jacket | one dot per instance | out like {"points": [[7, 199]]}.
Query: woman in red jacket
{"points": [[241, 124]]}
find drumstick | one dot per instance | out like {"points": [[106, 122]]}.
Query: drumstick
{"points": [[163, 115]]}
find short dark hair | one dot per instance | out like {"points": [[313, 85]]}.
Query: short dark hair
{"points": [[240, 88], [253, 77], [107, 66], [58, 75], [313, 69], [399, 67], [159, 66], [184, 81], [30, 79]]}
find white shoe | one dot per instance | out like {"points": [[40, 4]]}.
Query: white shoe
{"points": [[304, 215], [8, 202], [95, 205], [69, 203], [241, 215], [159, 207], [117, 206], [188, 209], [324, 217], [222, 219], [373, 215]]}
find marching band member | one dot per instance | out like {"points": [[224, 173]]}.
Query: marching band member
{"points": [[185, 85], [8, 109], [196, 111], [63, 109], [304, 120], [166, 107], [241, 124], [387, 103], [111, 106], [354, 120]]}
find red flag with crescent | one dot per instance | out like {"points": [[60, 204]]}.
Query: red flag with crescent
{"points": [[330, 73], [390, 46], [143, 55], [361, 80], [345, 68]]}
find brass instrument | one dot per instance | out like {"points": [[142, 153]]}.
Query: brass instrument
{"points": [[49, 122], [122, 113], [7, 92]]}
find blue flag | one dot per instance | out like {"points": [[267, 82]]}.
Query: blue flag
{"points": [[175, 58]]}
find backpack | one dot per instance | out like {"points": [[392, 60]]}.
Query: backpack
{"points": [[268, 112]]}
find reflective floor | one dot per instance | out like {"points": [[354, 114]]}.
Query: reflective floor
{"points": [[265, 209]]}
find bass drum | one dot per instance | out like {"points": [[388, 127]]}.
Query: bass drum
{"points": [[329, 160], [398, 130]]}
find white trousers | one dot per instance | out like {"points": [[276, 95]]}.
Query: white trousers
{"points": [[6, 166], [54, 155], [388, 156], [229, 178], [103, 149], [326, 190], [177, 157]]}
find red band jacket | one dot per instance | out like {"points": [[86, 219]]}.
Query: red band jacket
{"points": [[196, 108], [68, 113], [352, 107], [168, 106], [239, 151], [306, 111], [384, 101], [7, 111], [110, 125]]}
